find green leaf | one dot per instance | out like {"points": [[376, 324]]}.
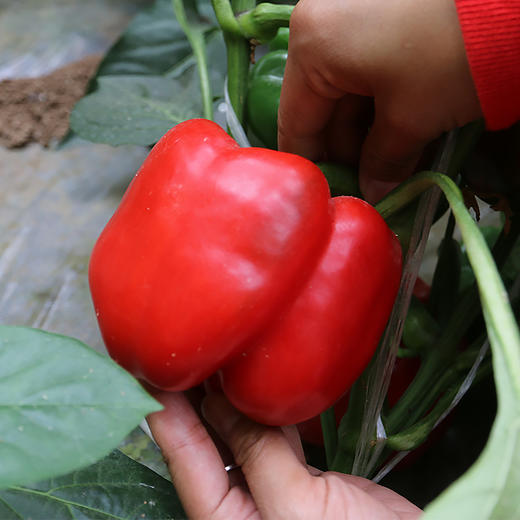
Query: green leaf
{"points": [[153, 42], [62, 405], [489, 490], [115, 488], [148, 82], [133, 109]]}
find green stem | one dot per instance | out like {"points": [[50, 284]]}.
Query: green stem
{"points": [[242, 20], [262, 22], [413, 436], [425, 390], [463, 318], [226, 17], [238, 59], [330, 434], [198, 45], [350, 427], [240, 6]]}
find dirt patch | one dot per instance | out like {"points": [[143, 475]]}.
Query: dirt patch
{"points": [[38, 109]]}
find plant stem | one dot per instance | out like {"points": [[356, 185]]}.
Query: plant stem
{"points": [[226, 17], [350, 427], [429, 385], [330, 434], [500, 321], [238, 55], [417, 433], [421, 386], [262, 22], [196, 38], [242, 20], [462, 320]]}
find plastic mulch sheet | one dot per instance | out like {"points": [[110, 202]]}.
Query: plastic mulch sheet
{"points": [[54, 202]]}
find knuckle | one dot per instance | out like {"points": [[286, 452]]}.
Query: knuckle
{"points": [[195, 435], [301, 16], [249, 445], [412, 119], [304, 26]]}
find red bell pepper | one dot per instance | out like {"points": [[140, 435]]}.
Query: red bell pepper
{"points": [[221, 258]]}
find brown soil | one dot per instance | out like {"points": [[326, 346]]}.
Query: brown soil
{"points": [[37, 109]]}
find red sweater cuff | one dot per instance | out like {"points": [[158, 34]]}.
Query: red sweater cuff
{"points": [[491, 31]]}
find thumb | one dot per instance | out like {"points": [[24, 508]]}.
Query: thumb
{"points": [[264, 453], [388, 157]]}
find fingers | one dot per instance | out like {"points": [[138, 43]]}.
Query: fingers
{"points": [[194, 462], [319, 121], [302, 115], [388, 156], [310, 90], [348, 127], [272, 469], [294, 440]]}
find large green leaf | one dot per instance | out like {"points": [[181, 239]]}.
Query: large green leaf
{"points": [[114, 488], [154, 42], [148, 81], [134, 109], [62, 405], [489, 490]]}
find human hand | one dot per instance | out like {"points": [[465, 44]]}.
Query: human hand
{"points": [[398, 67], [278, 484]]}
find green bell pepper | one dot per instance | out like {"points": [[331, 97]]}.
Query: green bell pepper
{"points": [[263, 98], [280, 41]]}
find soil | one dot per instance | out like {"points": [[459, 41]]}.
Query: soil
{"points": [[38, 109]]}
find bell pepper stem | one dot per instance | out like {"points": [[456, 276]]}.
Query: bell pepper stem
{"points": [[250, 21], [262, 22], [226, 17], [198, 45]]}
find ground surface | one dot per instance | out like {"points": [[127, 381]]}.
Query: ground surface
{"points": [[37, 109]]}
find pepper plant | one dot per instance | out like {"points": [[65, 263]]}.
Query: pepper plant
{"points": [[65, 407]]}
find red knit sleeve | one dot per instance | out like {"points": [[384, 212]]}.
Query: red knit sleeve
{"points": [[491, 31]]}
